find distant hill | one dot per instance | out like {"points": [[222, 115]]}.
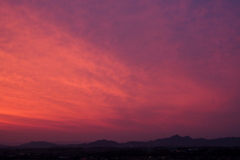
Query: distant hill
{"points": [[188, 141], [133, 144], [39, 144], [102, 143], [174, 141], [4, 146]]}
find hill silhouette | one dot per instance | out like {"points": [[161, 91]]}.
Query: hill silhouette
{"points": [[173, 141], [4, 146], [102, 143], [38, 144]]}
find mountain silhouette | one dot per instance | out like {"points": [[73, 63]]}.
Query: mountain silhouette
{"points": [[103, 143], [173, 141], [38, 144], [4, 146], [133, 144]]}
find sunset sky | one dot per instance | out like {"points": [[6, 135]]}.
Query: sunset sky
{"points": [[83, 70]]}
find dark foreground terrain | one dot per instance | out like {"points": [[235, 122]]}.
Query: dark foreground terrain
{"points": [[155, 153]]}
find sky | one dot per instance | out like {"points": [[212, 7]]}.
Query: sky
{"points": [[84, 70]]}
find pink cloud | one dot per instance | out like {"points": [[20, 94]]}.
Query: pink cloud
{"points": [[157, 68]]}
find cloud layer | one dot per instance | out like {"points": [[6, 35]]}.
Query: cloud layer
{"points": [[129, 70]]}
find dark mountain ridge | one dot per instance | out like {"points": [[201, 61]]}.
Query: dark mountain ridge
{"points": [[37, 144], [4, 146], [102, 143], [174, 141]]}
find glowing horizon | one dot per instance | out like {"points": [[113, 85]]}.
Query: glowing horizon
{"points": [[130, 70]]}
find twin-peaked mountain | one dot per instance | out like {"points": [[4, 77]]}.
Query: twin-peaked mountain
{"points": [[174, 141]]}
